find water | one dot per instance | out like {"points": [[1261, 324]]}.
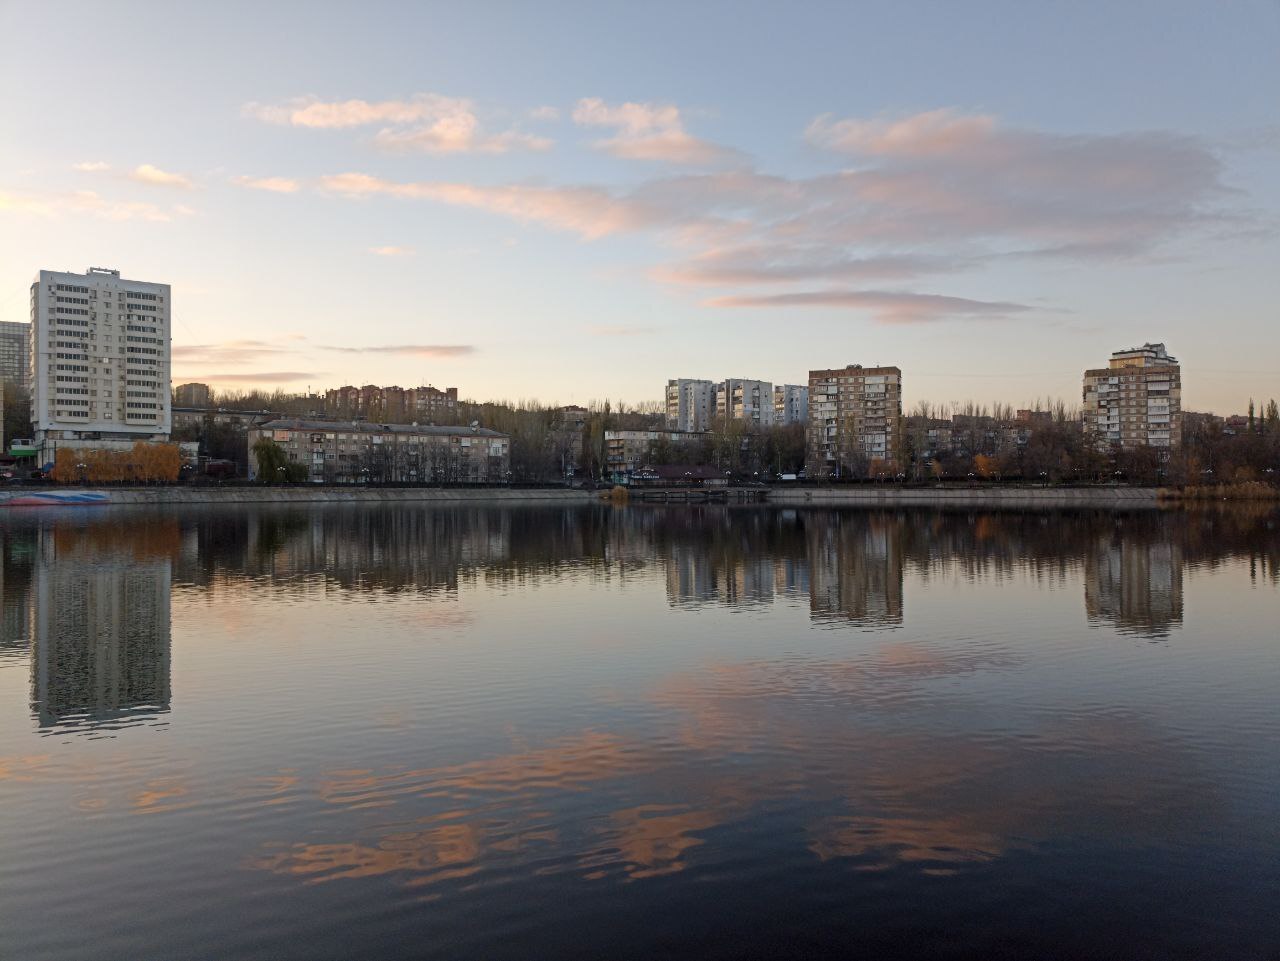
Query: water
{"points": [[646, 732]]}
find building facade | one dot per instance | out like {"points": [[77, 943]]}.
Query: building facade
{"points": [[347, 452], [1136, 401], [691, 403], [626, 451], [15, 353], [99, 360], [855, 420], [191, 395], [790, 404], [392, 403], [745, 400]]}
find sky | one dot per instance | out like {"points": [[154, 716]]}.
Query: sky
{"points": [[568, 202]]}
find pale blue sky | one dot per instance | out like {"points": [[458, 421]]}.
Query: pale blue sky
{"points": [[578, 201]]}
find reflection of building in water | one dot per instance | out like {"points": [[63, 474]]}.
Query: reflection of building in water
{"points": [[697, 574], [101, 646], [16, 550], [856, 568], [1134, 584]]}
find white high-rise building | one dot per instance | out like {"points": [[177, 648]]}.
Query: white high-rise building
{"points": [[100, 360], [750, 400], [790, 404], [691, 403]]}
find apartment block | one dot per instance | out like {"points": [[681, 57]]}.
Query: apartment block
{"points": [[855, 419], [392, 403], [1135, 401], [626, 451], [99, 360], [691, 403], [191, 395], [790, 404], [14, 353], [746, 400], [339, 452]]}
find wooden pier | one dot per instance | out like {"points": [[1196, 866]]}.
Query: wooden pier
{"points": [[699, 495]]}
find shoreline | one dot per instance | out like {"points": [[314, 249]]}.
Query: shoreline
{"points": [[301, 495], [1115, 497]]}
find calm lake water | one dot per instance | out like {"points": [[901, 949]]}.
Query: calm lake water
{"points": [[640, 732]]}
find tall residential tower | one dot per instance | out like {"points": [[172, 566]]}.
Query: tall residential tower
{"points": [[855, 420], [1136, 401], [99, 360]]}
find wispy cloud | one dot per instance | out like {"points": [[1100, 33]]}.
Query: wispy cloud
{"points": [[544, 113], [80, 203], [438, 351], [929, 195], [391, 251], [229, 352], [590, 211], [265, 377], [612, 330], [785, 263], [155, 177], [887, 307], [92, 166], [279, 185], [428, 122], [649, 131]]}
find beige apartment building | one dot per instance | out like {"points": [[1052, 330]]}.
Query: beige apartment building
{"points": [[626, 451], [340, 452], [392, 403], [1136, 401], [855, 420], [191, 395]]}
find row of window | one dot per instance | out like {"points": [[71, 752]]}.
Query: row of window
{"points": [[142, 340], [136, 295], [141, 350], [79, 311], [81, 367], [71, 289], [73, 300]]}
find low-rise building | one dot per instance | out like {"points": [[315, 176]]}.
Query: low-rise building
{"points": [[626, 451], [345, 452]]}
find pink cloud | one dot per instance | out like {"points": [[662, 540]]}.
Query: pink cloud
{"points": [[428, 122], [887, 307], [647, 131]]}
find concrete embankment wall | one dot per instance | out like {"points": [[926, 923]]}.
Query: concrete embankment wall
{"points": [[1113, 497], [328, 495]]}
